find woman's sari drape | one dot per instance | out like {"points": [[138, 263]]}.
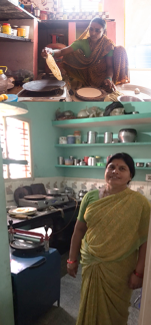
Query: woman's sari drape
{"points": [[117, 226]]}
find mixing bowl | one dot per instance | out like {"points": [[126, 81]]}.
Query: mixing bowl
{"points": [[126, 98], [127, 135]]}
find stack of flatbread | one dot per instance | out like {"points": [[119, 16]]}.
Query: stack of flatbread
{"points": [[53, 67]]}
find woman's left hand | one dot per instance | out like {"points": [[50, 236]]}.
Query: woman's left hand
{"points": [[110, 84], [135, 282]]}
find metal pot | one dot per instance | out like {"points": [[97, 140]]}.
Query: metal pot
{"points": [[148, 164], [127, 135], [37, 12]]}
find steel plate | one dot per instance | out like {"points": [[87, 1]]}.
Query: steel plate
{"points": [[43, 85]]}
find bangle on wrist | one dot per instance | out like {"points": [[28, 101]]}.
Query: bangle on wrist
{"points": [[139, 275], [108, 78], [71, 262], [53, 53]]}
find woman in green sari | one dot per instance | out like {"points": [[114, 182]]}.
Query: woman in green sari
{"points": [[113, 226]]}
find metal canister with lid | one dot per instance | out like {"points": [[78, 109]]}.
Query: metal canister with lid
{"points": [[77, 135]]}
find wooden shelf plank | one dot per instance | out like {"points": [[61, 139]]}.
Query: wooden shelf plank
{"points": [[13, 38]]}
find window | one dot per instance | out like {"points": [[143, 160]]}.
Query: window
{"points": [[15, 144], [81, 5], [137, 33]]}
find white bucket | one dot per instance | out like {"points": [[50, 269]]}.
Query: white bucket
{"points": [[27, 30]]}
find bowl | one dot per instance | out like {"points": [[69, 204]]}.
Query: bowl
{"points": [[126, 98], [127, 135], [148, 164]]}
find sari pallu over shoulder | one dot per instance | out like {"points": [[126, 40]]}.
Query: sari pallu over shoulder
{"points": [[114, 225]]}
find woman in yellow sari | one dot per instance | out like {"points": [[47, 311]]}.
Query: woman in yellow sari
{"points": [[113, 226], [93, 59]]}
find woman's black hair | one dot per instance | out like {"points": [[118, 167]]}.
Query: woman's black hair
{"points": [[99, 21], [127, 159]]}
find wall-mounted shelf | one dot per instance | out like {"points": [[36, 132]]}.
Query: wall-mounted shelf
{"points": [[96, 167], [81, 145], [111, 123], [7, 161], [7, 37], [8, 10]]}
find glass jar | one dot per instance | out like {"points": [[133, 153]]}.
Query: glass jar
{"points": [[6, 28], [97, 159]]}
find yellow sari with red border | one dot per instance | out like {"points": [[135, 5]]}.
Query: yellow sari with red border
{"points": [[117, 227]]}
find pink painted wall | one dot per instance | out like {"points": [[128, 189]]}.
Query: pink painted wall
{"points": [[116, 9]]}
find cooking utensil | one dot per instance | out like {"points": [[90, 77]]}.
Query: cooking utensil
{"points": [[126, 98], [148, 164], [35, 197], [108, 137], [91, 137], [81, 194], [61, 160], [37, 12], [139, 164], [127, 135], [43, 85], [117, 111]]}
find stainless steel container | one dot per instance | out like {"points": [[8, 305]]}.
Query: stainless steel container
{"points": [[108, 137], [91, 137], [127, 135], [61, 160], [37, 12], [75, 161]]}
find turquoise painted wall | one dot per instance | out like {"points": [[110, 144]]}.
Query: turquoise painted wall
{"points": [[44, 136], [6, 299]]}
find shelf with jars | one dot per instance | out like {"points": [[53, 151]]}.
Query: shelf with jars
{"points": [[141, 123]]}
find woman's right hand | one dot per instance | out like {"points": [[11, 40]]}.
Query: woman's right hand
{"points": [[46, 51], [72, 269]]}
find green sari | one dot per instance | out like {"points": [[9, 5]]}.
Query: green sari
{"points": [[117, 227]]}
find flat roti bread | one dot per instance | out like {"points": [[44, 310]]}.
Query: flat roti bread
{"points": [[89, 92], [53, 67]]}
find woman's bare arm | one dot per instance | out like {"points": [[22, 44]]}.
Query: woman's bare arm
{"points": [[79, 232], [57, 53], [136, 281]]}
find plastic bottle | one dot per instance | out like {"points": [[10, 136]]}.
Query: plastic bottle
{"points": [[3, 81]]}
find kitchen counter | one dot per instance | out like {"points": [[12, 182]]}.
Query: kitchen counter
{"points": [[43, 217]]}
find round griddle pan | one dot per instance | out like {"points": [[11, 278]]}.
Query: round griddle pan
{"points": [[43, 85], [35, 197]]}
